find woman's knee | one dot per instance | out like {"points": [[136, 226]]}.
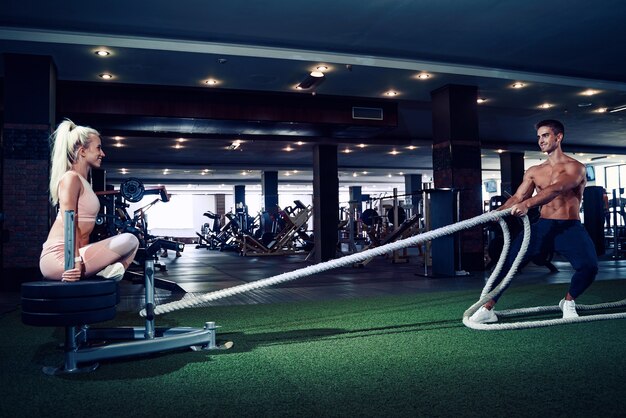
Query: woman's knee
{"points": [[124, 244]]}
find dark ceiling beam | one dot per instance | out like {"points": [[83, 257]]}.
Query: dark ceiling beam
{"points": [[211, 104]]}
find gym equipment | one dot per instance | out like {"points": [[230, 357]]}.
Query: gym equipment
{"points": [[114, 219], [207, 237], [291, 228], [616, 238], [370, 217], [593, 212], [132, 190], [76, 305], [392, 217]]}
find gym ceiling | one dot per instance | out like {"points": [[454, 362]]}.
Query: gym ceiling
{"points": [[569, 55]]}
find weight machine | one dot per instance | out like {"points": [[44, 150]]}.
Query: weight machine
{"points": [[77, 305], [114, 219]]}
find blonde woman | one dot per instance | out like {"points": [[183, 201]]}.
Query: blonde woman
{"points": [[75, 151]]}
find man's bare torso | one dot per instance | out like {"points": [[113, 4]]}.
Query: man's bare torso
{"points": [[567, 204]]}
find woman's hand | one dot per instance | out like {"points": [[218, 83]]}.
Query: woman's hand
{"points": [[73, 275]]}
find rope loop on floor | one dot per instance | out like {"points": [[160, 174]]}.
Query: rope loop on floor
{"points": [[487, 294], [332, 264]]}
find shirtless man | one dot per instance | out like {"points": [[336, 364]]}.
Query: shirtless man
{"points": [[559, 183]]}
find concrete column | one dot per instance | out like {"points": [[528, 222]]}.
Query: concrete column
{"points": [[240, 193], [413, 187], [456, 163], [325, 201], [269, 188], [512, 172]]}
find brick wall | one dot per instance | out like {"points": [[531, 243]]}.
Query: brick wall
{"points": [[25, 176]]}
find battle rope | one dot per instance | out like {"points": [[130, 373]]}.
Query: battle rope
{"points": [[332, 264], [488, 294]]}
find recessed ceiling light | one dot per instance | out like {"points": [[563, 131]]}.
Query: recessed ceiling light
{"points": [[394, 152], [499, 151], [288, 148], [601, 110], [518, 85], [321, 68], [102, 53], [178, 146], [211, 82], [347, 151], [589, 92], [317, 74], [423, 76], [481, 100], [545, 106], [391, 93], [299, 143], [234, 145], [361, 145], [412, 147], [106, 76], [354, 174], [118, 145]]}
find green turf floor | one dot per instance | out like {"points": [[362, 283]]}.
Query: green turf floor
{"points": [[386, 356]]}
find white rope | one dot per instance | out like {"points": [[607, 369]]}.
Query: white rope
{"points": [[332, 264], [487, 295]]}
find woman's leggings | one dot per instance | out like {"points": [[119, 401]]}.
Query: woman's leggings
{"points": [[120, 248], [570, 239]]}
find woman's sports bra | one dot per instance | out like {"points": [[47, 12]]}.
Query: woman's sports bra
{"points": [[88, 203]]}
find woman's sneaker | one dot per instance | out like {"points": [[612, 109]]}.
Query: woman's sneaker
{"points": [[114, 271], [484, 316]]}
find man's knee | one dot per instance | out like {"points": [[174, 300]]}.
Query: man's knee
{"points": [[589, 271]]}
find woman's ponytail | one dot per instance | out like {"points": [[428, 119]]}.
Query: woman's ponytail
{"points": [[66, 141]]}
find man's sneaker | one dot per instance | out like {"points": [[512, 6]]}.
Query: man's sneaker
{"points": [[114, 271], [484, 316], [569, 308]]}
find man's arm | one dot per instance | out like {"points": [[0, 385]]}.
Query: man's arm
{"points": [[571, 177], [523, 192], [567, 179]]}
